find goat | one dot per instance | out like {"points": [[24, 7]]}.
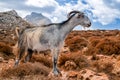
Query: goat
{"points": [[49, 36]]}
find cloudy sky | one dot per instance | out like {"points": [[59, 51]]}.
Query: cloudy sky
{"points": [[104, 14]]}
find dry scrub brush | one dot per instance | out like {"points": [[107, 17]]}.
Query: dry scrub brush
{"points": [[76, 61], [45, 60], [6, 51], [76, 43], [5, 48], [93, 41], [107, 46], [24, 70], [103, 65]]}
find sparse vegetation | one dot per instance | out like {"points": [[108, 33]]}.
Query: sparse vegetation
{"points": [[76, 43], [102, 56], [76, 61], [108, 47], [45, 60]]}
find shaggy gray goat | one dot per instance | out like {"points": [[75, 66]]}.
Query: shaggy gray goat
{"points": [[49, 36]]}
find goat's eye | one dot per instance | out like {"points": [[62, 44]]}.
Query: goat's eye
{"points": [[82, 16]]}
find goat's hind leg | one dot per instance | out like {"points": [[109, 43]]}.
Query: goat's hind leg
{"points": [[29, 55], [19, 56]]}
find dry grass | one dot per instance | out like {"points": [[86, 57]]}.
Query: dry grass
{"points": [[24, 70], [45, 60], [76, 60], [103, 63], [108, 47], [5, 48], [103, 42], [94, 40], [103, 66], [6, 51], [76, 43]]}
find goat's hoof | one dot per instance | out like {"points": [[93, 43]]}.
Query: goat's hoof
{"points": [[57, 73], [15, 65]]}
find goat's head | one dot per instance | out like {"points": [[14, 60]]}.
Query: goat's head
{"points": [[80, 18]]}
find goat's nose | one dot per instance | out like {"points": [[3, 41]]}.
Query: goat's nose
{"points": [[89, 24]]}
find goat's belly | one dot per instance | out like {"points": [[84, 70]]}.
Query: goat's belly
{"points": [[39, 47]]}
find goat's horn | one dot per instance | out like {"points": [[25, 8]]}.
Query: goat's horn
{"points": [[72, 12]]}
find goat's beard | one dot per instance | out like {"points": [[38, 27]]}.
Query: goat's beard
{"points": [[84, 28]]}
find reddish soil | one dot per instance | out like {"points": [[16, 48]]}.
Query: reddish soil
{"points": [[87, 55]]}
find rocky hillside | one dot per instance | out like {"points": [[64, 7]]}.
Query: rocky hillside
{"points": [[87, 55], [37, 19], [8, 22]]}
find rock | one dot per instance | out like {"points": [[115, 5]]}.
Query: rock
{"points": [[72, 74], [87, 74], [116, 68], [1, 59], [9, 20], [70, 65], [65, 49]]}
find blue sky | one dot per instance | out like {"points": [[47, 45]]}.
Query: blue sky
{"points": [[104, 14]]}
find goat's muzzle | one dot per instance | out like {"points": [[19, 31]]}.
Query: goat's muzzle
{"points": [[88, 25]]}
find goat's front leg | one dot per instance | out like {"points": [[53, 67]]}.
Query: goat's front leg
{"points": [[55, 54]]}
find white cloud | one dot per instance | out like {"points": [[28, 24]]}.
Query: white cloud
{"points": [[61, 11], [2, 8], [22, 13], [118, 1], [41, 3], [104, 13]]}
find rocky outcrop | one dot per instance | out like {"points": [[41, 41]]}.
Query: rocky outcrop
{"points": [[8, 22]]}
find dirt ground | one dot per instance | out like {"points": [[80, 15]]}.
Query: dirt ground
{"points": [[87, 55]]}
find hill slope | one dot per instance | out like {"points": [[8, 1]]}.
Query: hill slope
{"points": [[37, 19], [8, 22]]}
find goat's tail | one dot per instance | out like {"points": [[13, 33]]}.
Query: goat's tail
{"points": [[17, 31]]}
